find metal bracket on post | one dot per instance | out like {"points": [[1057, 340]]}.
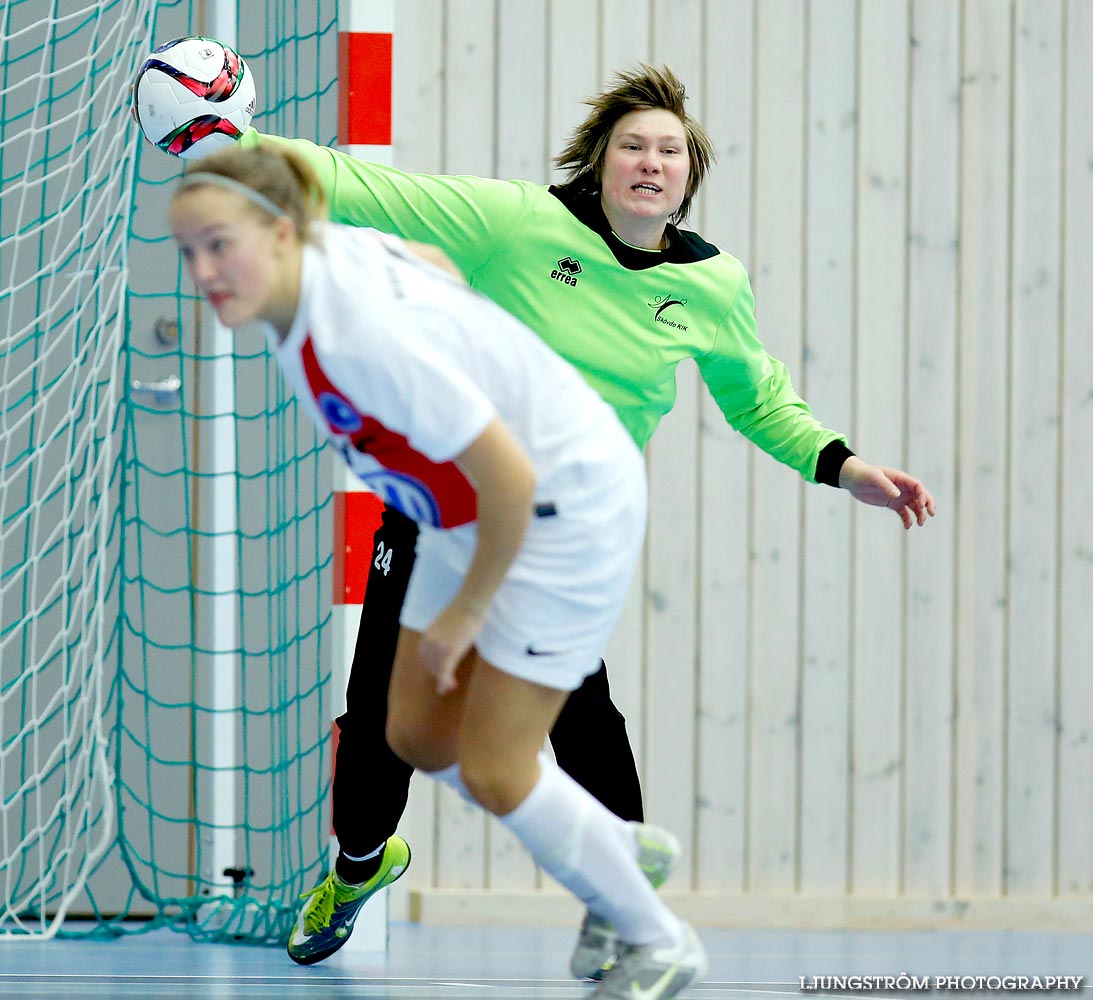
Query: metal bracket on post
{"points": [[166, 394]]}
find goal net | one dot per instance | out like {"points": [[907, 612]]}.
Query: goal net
{"points": [[164, 711]]}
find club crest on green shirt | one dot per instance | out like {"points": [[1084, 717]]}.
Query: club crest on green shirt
{"points": [[661, 304]]}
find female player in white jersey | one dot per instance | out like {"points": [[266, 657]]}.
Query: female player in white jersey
{"points": [[531, 497]]}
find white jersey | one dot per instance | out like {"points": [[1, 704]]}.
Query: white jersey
{"points": [[403, 367]]}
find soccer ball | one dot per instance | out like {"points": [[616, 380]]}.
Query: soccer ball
{"points": [[193, 96]]}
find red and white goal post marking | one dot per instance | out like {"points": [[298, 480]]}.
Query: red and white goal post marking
{"points": [[365, 36]]}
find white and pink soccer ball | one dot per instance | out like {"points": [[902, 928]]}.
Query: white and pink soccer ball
{"points": [[193, 96]]}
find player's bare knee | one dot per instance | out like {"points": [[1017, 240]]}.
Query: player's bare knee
{"points": [[493, 787], [419, 747]]}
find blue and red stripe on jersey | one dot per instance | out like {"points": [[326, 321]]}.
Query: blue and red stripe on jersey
{"points": [[435, 493]]}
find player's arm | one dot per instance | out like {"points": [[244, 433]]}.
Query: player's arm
{"points": [[504, 480], [755, 393], [467, 217]]}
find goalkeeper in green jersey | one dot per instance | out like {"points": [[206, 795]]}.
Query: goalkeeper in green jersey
{"points": [[598, 268]]}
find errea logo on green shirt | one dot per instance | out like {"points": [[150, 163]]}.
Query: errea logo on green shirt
{"points": [[662, 303], [567, 270]]}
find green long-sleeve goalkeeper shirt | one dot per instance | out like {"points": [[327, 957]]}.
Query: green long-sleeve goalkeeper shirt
{"points": [[624, 317]]}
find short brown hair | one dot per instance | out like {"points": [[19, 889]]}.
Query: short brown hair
{"points": [[643, 89], [279, 175]]}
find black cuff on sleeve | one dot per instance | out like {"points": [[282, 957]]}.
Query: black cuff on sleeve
{"points": [[830, 462]]}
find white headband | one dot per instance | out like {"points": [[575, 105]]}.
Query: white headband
{"points": [[228, 184]]}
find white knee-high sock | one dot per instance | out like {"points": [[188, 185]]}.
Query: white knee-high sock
{"points": [[592, 852]]}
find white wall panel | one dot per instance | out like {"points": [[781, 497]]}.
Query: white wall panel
{"points": [[1034, 449], [826, 380], [1075, 580], [981, 449], [876, 656], [930, 404]]}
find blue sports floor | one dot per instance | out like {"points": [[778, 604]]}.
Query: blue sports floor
{"points": [[460, 963]]}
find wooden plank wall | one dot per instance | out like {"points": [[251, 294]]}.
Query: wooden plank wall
{"points": [[828, 711]]}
